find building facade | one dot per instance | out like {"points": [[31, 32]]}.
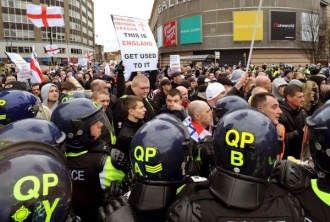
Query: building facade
{"points": [[199, 28], [19, 35]]}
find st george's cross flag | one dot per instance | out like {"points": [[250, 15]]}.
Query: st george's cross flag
{"points": [[36, 74], [89, 56], [43, 16], [52, 49]]}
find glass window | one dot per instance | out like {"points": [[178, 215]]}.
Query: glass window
{"points": [[12, 18], [20, 49], [4, 3], [11, 3], [31, 33], [18, 19], [19, 34], [7, 33], [5, 17], [17, 4], [14, 49], [13, 32], [27, 50], [23, 4], [25, 34]]}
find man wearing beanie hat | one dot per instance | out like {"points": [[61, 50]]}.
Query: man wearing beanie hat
{"points": [[287, 75], [227, 83], [214, 92]]}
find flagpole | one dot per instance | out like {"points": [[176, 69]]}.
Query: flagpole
{"points": [[51, 43], [254, 35]]}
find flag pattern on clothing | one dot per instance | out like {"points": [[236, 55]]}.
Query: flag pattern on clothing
{"points": [[36, 74], [52, 49], [195, 132], [89, 56], [42, 16]]}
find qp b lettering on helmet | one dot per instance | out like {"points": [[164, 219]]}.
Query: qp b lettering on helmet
{"points": [[238, 144], [144, 161]]}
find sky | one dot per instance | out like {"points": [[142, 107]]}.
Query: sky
{"points": [[104, 31]]}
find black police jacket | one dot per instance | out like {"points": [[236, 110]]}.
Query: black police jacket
{"points": [[316, 209], [86, 188], [197, 203]]}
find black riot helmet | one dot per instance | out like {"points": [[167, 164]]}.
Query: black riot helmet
{"points": [[319, 138], [76, 117], [33, 129], [245, 143], [35, 183], [157, 154], [228, 103]]}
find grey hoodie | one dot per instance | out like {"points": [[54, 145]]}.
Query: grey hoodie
{"points": [[275, 84], [44, 95]]}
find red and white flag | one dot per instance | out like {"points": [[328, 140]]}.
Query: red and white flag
{"points": [[36, 74], [43, 16], [52, 49], [89, 56]]}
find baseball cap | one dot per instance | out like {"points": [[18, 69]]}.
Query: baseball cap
{"points": [[207, 80], [213, 90], [17, 85]]}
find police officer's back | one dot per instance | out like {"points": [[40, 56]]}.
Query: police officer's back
{"points": [[245, 147], [158, 159], [93, 164], [312, 191]]}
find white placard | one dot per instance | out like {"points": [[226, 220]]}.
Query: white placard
{"points": [[175, 63], [21, 64], [138, 47], [82, 62]]}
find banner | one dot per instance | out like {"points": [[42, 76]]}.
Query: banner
{"points": [[169, 33], [243, 25], [82, 62], [191, 30], [282, 25], [138, 47], [160, 36], [21, 64], [175, 63], [310, 27]]}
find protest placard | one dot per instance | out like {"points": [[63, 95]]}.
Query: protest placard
{"points": [[21, 64], [138, 47], [175, 63]]}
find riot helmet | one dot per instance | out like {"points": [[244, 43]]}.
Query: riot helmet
{"points": [[73, 95], [228, 103], [319, 138], [84, 123], [157, 152], [33, 129], [35, 183], [16, 105], [245, 144], [157, 155]]}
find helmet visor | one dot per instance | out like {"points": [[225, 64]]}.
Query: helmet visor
{"points": [[99, 126]]}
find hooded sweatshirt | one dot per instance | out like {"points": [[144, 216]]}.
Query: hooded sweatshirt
{"points": [[277, 83], [44, 95]]}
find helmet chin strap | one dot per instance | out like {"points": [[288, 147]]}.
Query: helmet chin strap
{"points": [[237, 192]]}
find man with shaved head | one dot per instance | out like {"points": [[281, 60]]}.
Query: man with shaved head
{"points": [[264, 82], [197, 123], [140, 87]]}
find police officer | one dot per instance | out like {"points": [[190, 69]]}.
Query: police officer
{"points": [[35, 183], [93, 164], [312, 191], [158, 157], [16, 105], [237, 189]]}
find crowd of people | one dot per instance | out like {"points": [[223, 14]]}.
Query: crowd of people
{"points": [[204, 143]]}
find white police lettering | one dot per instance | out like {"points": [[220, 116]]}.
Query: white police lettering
{"points": [[78, 175]]}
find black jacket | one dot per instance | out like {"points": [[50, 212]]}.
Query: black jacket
{"points": [[126, 134], [293, 121], [160, 99], [119, 115], [178, 113]]}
